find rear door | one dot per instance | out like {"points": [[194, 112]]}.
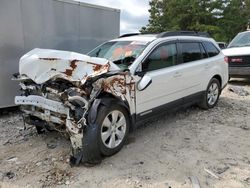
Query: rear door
{"points": [[193, 66]]}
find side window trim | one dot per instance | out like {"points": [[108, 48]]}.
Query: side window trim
{"points": [[218, 50], [179, 51], [202, 46]]}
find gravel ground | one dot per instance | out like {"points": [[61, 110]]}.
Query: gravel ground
{"points": [[212, 146]]}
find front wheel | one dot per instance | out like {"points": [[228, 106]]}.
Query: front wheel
{"points": [[212, 94], [107, 134], [113, 126]]}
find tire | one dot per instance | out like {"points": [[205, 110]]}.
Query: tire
{"points": [[39, 129], [108, 135], [212, 94]]}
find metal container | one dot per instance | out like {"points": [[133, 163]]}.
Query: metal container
{"points": [[53, 24]]}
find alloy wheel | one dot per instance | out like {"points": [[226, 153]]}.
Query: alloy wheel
{"points": [[212, 94], [113, 129]]}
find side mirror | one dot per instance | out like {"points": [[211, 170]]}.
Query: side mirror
{"points": [[144, 83]]}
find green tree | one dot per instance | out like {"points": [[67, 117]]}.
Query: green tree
{"points": [[234, 20], [221, 18]]}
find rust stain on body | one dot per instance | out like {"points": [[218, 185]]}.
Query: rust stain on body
{"points": [[97, 67], [115, 85], [73, 65], [68, 72]]}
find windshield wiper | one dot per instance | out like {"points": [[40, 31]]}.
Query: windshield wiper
{"points": [[98, 52], [126, 61]]}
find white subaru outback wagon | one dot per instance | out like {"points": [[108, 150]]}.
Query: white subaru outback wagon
{"points": [[96, 99]]}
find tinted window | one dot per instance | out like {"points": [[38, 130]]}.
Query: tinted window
{"points": [[163, 56], [211, 49], [190, 51]]}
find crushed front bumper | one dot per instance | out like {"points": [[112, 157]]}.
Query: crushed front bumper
{"points": [[54, 112], [46, 105]]}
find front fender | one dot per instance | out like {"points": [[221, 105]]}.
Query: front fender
{"points": [[92, 115]]}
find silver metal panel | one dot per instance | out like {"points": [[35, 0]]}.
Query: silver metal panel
{"points": [[11, 48], [101, 24], [54, 24]]}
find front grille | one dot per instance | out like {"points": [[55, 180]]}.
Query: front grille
{"points": [[49, 90], [239, 61]]}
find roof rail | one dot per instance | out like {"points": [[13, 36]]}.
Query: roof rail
{"points": [[182, 33], [129, 35]]}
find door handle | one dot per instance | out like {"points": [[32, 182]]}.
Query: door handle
{"points": [[177, 74]]}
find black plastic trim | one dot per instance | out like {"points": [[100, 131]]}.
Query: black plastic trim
{"points": [[106, 101], [183, 33], [169, 107]]}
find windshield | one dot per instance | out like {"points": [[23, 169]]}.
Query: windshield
{"points": [[242, 39], [122, 53]]}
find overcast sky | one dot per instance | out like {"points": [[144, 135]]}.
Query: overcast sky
{"points": [[134, 13]]}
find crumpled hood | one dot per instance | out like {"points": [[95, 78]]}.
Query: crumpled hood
{"points": [[41, 65], [237, 51]]}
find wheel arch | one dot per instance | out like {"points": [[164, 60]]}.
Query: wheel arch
{"points": [[219, 78], [107, 99]]}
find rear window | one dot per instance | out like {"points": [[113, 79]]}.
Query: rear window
{"points": [[211, 49]]}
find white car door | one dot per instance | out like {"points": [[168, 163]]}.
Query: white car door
{"points": [[161, 66], [194, 64]]}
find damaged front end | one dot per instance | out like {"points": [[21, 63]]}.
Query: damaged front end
{"points": [[59, 89]]}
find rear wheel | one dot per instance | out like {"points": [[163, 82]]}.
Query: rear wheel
{"points": [[211, 96]]}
